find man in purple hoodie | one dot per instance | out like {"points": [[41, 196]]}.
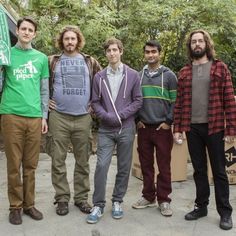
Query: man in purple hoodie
{"points": [[116, 97]]}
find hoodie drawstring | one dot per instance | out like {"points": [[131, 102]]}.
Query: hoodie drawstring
{"points": [[162, 83], [100, 87], [113, 105], [141, 79], [125, 82]]}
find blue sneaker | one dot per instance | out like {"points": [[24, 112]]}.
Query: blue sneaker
{"points": [[95, 215], [117, 211]]}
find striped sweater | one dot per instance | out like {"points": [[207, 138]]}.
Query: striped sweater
{"points": [[159, 93]]}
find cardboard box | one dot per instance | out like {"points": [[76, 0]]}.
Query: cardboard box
{"points": [[230, 156], [178, 162]]}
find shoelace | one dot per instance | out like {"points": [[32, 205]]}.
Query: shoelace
{"points": [[117, 206], [166, 205], [141, 200], [96, 211]]}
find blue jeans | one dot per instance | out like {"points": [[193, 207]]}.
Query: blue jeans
{"points": [[107, 140]]}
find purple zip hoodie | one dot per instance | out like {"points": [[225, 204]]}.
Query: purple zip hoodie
{"points": [[121, 113]]}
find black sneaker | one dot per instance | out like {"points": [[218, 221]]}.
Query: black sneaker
{"points": [[226, 222], [198, 212]]}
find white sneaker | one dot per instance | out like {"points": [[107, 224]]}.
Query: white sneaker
{"points": [[165, 209], [143, 203]]}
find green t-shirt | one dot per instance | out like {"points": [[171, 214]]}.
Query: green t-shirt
{"points": [[21, 92]]}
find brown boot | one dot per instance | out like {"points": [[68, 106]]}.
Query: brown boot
{"points": [[33, 213], [15, 216], [84, 207], [62, 208]]}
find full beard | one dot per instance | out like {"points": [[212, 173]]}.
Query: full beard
{"points": [[198, 54]]}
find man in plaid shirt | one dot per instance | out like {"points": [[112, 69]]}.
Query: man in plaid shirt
{"points": [[205, 109]]}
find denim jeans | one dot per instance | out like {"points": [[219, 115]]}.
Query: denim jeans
{"points": [[106, 143]]}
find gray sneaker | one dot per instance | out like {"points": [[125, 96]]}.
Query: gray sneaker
{"points": [[117, 211], [165, 209], [143, 203]]}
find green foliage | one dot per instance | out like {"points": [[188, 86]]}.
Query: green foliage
{"points": [[135, 21]]}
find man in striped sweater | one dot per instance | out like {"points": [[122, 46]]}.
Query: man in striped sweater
{"points": [[205, 109], [155, 117]]}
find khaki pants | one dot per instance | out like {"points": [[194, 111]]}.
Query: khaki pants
{"points": [[22, 145], [64, 129]]}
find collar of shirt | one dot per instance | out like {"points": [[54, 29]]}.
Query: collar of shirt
{"points": [[151, 73], [119, 70], [19, 47]]}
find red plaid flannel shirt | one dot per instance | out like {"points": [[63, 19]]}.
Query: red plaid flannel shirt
{"points": [[221, 106]]}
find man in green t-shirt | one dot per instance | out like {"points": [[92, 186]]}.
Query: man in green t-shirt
{"points": [[24, 108]]}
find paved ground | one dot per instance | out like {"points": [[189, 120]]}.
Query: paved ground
{"points": [[145, 222]]}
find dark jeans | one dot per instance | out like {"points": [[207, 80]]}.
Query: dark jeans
{"points": [[198, 140], [162, 140]]}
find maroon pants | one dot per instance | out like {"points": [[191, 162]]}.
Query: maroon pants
{"points": [[162, 141]]}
